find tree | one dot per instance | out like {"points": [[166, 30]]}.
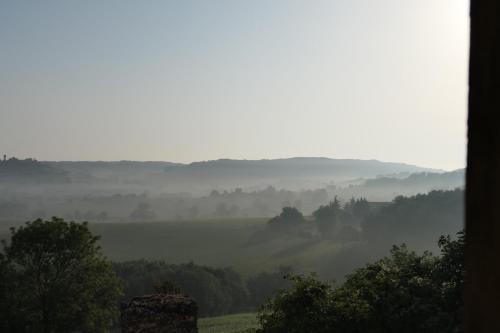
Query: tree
{"points": [[418, 219], [300, 309], [357, 209], [54, 279], [327, 217], [450, 275], [289, 217]]}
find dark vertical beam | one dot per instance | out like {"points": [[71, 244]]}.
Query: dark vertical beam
{"points": [[482, 291]]}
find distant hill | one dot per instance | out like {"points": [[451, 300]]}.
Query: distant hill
{"points": [[29, 170], [295, 167], [385, 188], [291, 173], [114, 171]]}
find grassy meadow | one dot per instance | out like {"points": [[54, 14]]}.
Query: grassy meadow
{"points": [[213, 242]]}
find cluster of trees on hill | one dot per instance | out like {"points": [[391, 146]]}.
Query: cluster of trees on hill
{"points": [[30, 170], [415, 220], [330, 221]]}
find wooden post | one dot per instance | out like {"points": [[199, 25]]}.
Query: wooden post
{"points": [[482, 291]]}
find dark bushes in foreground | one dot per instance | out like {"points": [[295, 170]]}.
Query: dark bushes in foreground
{"points": [[404, 292]]}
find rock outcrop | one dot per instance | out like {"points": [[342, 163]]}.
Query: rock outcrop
{"points": [[159, 313]]}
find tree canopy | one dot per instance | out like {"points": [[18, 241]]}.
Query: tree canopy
{"points": [[53, 278], [289, 217], [405, 292]]}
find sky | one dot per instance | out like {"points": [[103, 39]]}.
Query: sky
{"points": [[199, 80]]}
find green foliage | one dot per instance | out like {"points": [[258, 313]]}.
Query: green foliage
{"points": [[450, 273], [358, 209], [301, 309], [217, 291], [405, 292], [399, 291], [53, 278], [416, 219], [327, 218], [289, 218]]}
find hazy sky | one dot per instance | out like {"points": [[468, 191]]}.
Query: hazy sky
{"points": [[196, 80]]}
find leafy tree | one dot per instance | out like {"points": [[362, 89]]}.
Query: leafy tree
{"points": [[327, 217], [399, 291], [450, 275], [53, 278], [357, 209], [289, 217], [304, 308]]}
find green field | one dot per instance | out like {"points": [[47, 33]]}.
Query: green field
{"points": [[219, 243], [215, 243], [238, 323]]}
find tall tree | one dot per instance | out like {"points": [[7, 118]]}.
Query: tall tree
{"points": [[327, 217], [55, 279]]}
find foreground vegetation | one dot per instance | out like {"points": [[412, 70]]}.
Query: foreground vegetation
{"points": [[404, 292], [53, 273], [54, 278]]}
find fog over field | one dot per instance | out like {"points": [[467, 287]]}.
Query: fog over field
{"points": [[227, 213], [132, 191]]}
